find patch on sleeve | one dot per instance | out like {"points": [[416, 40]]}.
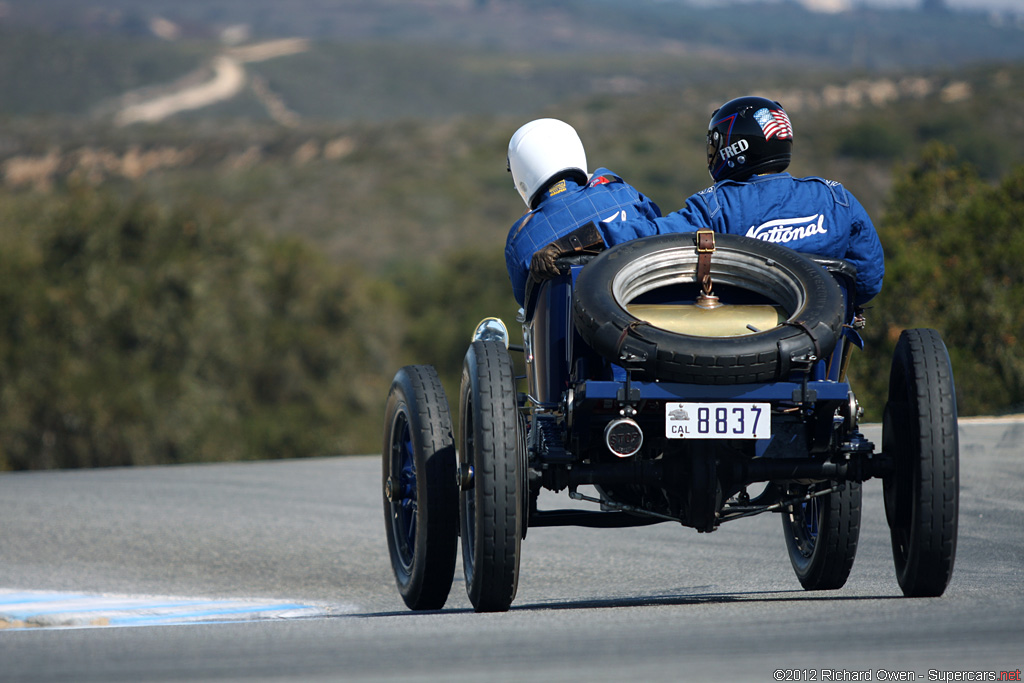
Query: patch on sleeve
{"points": [[603, 180]]}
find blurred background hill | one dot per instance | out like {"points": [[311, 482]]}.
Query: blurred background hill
{"points": [[224, 224]]}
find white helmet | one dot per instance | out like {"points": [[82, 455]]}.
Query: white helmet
{"points": [[541, 150]]}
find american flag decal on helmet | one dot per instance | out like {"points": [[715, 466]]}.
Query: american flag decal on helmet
{"points": [[774, 123]]}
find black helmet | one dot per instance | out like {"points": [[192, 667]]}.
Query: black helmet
{"points": [[748, 135]]}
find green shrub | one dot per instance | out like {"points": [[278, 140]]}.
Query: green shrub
{"points": [[134, 334], [953, 252]]}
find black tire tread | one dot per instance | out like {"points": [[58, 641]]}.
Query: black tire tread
{"points": [[492, 580], [922, 376]]}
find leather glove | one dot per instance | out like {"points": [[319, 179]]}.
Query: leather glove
{"points": [[542, 265]]}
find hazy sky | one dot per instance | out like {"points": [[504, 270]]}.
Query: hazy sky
{"points": [[966, 4], [1001, 5]]}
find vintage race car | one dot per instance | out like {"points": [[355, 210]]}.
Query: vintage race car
{"points": [[692, 378]]}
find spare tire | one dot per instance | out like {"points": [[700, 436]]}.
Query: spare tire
{"points": [[810, 298]]}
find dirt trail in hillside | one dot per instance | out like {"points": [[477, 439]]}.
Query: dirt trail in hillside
{"points": [[229, 79]]}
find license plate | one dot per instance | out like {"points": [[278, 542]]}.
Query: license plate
{"points": [[718, 420]]}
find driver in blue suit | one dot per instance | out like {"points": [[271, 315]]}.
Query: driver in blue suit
{"points": [[750, 141], [548, 166]]}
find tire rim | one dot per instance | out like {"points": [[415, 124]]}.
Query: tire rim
{"points": [[804, 518], [807, 531], [469, 499], [402, 496], [678, 265]]}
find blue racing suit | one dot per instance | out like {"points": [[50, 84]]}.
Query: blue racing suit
{"points": [[810, 215], [565, 207]]}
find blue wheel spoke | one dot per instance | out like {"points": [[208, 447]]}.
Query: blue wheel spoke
{"points": [[404, 504], [806, 526], [408, 508]]}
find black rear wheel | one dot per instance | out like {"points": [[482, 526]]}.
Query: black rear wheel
{"points": [[919, 431], [491, 502], [822, 534], [420, 494]]}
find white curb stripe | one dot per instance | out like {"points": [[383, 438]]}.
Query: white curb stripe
{"points": [[43, 609]]}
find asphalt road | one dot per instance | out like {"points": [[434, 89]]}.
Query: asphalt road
{"points": [[659, 603]]}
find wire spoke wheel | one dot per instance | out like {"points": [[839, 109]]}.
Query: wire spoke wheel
{"points": [[418, 481], [822, 533]]}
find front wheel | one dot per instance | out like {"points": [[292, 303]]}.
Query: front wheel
{"points": [[491, 500], [920, 432], [822, 534], [420, 495]]}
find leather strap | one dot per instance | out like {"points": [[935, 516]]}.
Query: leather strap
{"points": [[802, 326], [581, 239], [705, 248], [625, 333]]}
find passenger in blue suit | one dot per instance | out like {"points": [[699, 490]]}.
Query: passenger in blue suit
{"points": [[548, 166], [749, 147]]}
